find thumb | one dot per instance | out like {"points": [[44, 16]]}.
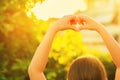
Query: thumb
{"points": [[76, 27]]}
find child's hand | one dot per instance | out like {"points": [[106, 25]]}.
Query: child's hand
{"points": [[87, 23], [66, 22]]}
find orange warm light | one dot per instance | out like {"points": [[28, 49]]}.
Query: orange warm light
{"points": [[56, 8]]}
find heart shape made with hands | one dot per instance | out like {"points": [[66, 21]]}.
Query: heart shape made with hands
{"points": [[77, 23]]}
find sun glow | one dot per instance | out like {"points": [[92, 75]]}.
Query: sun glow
{"points": [[57, 8]]}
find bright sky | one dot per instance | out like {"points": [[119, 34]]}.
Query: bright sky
{"points": [[57, 8]]}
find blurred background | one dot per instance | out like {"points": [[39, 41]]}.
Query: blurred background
{"points": [[23, 23]]}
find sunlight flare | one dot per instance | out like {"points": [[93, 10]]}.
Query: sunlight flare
{"points": [[57, 8]]}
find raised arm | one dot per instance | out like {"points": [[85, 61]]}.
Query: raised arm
{"points": [[40, 57], [112, 45]]}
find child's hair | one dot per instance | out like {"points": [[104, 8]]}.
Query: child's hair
{"points": [[87, 68]]}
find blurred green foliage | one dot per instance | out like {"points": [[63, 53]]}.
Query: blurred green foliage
{"points": [[20, 36]]}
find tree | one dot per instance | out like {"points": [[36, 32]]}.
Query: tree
{"points": [[17, 32]]}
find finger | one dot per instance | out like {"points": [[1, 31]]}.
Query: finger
{"points": [[81, 21], [73, 20], [75, 27]]}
